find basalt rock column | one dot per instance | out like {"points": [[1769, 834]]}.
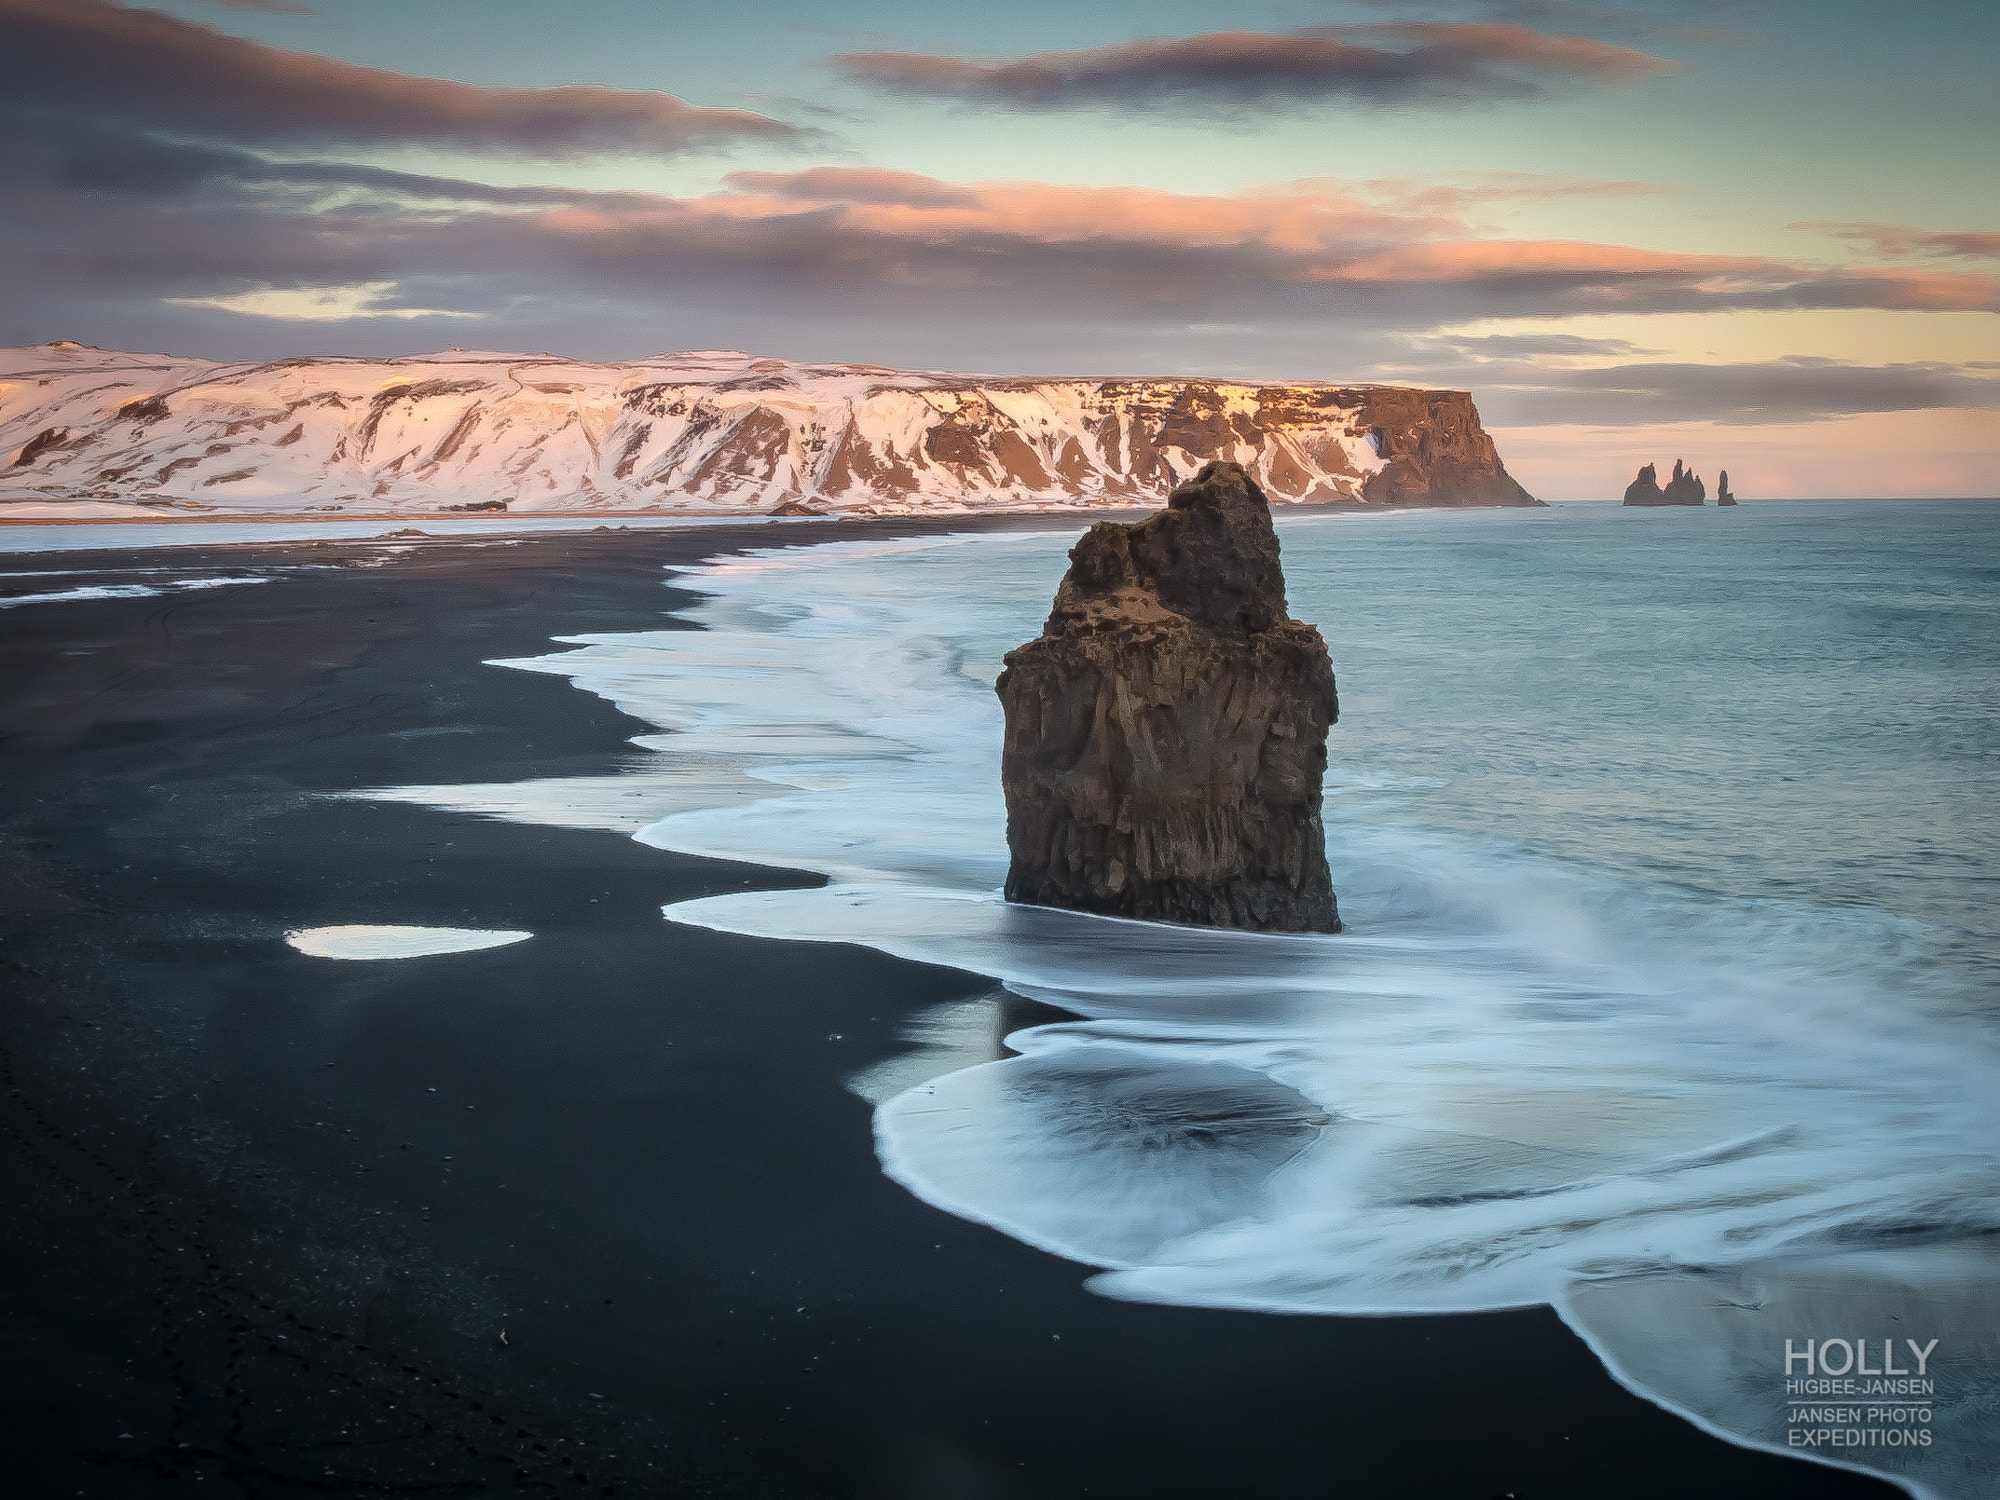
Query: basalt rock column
{"points": [[1166, 733]]}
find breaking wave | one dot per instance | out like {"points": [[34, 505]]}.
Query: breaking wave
{"points": [[1523, 1076]]}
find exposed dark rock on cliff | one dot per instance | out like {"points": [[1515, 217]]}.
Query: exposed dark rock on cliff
{"points": [[1685, 488], [1722, 495], [1166, 733], [145, 409], [40, 443]]}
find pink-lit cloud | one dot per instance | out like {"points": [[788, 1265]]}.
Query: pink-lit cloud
{"points": [[1901, 241], [1318, 269], [1322, 249]]}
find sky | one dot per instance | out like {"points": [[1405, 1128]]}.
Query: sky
{"points": [[1751, 234]]}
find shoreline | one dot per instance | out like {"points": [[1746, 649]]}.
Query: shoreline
{"points": [[563, 520], [529, 523], [700, 1266]]}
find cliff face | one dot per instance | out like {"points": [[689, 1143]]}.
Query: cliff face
{"points": [[704, 431], [1435, 451], [1166, 734]]}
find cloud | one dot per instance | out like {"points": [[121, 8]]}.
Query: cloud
{"points": [[275, 7], [1515, 346], [1488, 199], [1617, 20], [117, 237], [1900, 241], [96, 206], [1469, 188], [91, 60], [873, 185], [1756, 393], [319, 304], [109, 160], [1227, 73]]}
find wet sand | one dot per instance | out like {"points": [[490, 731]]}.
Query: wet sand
{"points": [[270, 1215]]}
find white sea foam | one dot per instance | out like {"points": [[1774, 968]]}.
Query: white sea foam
{"points": [[1515, 1079], [129, 590], [363, 941], [1710, 1345], [650, 789]]}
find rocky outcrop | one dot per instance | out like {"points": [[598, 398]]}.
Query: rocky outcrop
{"points": [[1722, 495], [1685, 488], [708, 431], [1166, 733], [1645, 490]]}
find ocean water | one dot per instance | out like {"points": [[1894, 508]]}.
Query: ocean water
{"points": [[91, 536], [1670, 996]]}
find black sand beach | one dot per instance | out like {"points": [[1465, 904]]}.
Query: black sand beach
{"points": [[269, 1216]]}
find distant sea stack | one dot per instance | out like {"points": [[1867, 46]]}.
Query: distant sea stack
{"points": [[703, 432], [1685, 488], [1722, 495], [1166, 733]]}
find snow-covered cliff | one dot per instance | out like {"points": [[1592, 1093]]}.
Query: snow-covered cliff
{"points": [[698, 432]]}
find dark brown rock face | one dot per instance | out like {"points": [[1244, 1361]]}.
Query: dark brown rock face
{"points": [[1722, 495], [1166, 733], [1437, 452]]}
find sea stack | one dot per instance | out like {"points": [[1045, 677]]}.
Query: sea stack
{"points": [[1645, 490], [1166, 733], [1722, 495], [1685, 488]]}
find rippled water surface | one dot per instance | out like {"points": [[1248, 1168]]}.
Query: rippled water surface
{"points": [[1667, 844], [1779, 700]]}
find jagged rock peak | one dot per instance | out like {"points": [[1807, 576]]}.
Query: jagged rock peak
{"points": [[1645, 490], [1684, 488], [1166, 734], [1211, 557], [1722, 495]]}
